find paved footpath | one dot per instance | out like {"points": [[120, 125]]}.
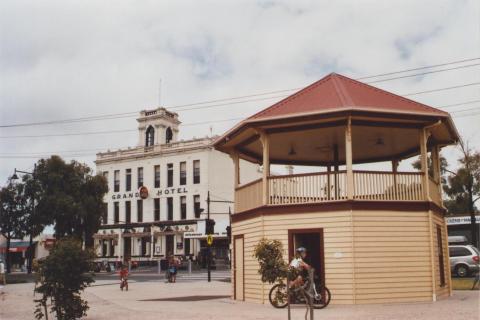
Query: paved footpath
{"points": [[201, 300]]}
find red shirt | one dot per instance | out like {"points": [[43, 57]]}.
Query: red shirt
{"points": [[123, 273]]}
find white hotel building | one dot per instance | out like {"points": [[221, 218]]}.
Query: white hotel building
{"points": [[157, 190]]}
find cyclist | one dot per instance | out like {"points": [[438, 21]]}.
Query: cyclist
{"points": [[124, 277], [300, 265]]}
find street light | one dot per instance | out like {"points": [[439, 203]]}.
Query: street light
{"points": [[15, 177]]}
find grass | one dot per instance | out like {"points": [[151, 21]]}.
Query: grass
{"points": [[463, 284]]}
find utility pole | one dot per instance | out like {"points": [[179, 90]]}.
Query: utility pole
{"points": [[209, 251]]}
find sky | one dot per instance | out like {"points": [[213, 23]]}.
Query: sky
{"points": [[75, 59]]}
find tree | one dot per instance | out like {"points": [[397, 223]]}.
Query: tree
{"points": [[34, 222], [269, 254], [443, 167], [11, 220], [70, 198], [64, 274], [463, 187]]}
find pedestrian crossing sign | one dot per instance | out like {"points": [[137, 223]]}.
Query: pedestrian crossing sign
{"points": [[209, 239]]}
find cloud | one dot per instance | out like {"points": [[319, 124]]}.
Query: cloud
{"points": [[79, 58]]}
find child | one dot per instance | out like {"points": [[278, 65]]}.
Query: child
{"points": [[124, 277]]}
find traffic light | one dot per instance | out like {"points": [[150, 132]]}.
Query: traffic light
{"points": [[209, 226]]}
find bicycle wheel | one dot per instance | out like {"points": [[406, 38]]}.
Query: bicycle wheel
{"points": [[278, 296], [322, 299]]}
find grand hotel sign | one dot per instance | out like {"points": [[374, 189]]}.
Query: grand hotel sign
{"points": [[143, 193]]}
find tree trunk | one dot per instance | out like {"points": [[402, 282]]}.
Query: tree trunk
{"points": [[30, 255], [473, 222], [7, 253]]}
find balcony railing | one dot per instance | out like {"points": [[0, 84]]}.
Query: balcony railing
{"points": [[307, 188], [332, 186], [404, 186], [249, 196]]}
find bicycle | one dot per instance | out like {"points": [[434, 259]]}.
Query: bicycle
{"points": [[315, 290]]}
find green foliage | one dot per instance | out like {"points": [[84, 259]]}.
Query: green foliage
{"points": [[463, 186], [269, 254], [443, 167], [70, 197], [64, 275], [12, 222], [28, 190]]}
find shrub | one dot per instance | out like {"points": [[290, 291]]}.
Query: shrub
{"points": [[269, 254], [64, 275]]}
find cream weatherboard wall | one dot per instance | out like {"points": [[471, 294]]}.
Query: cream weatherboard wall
{"points": [[370, 256]]}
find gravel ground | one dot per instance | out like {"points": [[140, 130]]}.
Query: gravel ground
{"points": [[142, 301]]}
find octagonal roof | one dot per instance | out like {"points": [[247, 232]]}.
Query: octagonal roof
{"points": [[306, 126], [337, 92]]}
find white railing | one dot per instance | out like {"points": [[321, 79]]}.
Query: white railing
{"points": [[307, 188], [400, 186], [249, 196], [324, 186]]}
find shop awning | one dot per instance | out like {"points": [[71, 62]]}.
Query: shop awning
{"points": [[16, 246]]}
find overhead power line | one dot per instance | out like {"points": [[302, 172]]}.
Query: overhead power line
{"points": [[128, 114], [419, 68], [88, 152], [425, 73], [187, 124], [442, 89]]}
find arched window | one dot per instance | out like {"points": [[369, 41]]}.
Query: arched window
{"points": [[150, 136], [168, 135]]}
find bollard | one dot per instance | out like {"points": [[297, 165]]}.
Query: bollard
{"points": [[189, 266], [159, 266]]}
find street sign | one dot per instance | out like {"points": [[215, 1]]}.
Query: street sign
{"points": [[209, 239]]}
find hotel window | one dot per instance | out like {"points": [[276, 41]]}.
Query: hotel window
{"points": [[196, 206], [149, 136], [170, 208], [196, 171], [116, 181], [128, 179], [183, 173], [156, 209], [168, 135], [116, 212], [105, 175], [139, 210], [156, 170], [105, 213], [139, 177], [170, 175], [183, 207], [128, 211]]}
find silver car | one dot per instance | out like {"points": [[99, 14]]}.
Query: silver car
{"points": [[463, 260]]}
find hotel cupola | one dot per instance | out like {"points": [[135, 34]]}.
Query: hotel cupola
{"points": [[157, 126], [374, 235]]}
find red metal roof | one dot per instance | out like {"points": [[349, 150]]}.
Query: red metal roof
{"points": [[336, 92]]}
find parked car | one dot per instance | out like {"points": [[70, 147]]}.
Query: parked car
{"points": [[464, 260]]}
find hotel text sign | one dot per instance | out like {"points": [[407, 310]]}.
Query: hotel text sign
{"points": [[160, 192]]}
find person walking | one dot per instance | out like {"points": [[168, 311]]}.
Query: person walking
{"points": [[172, 268]]}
